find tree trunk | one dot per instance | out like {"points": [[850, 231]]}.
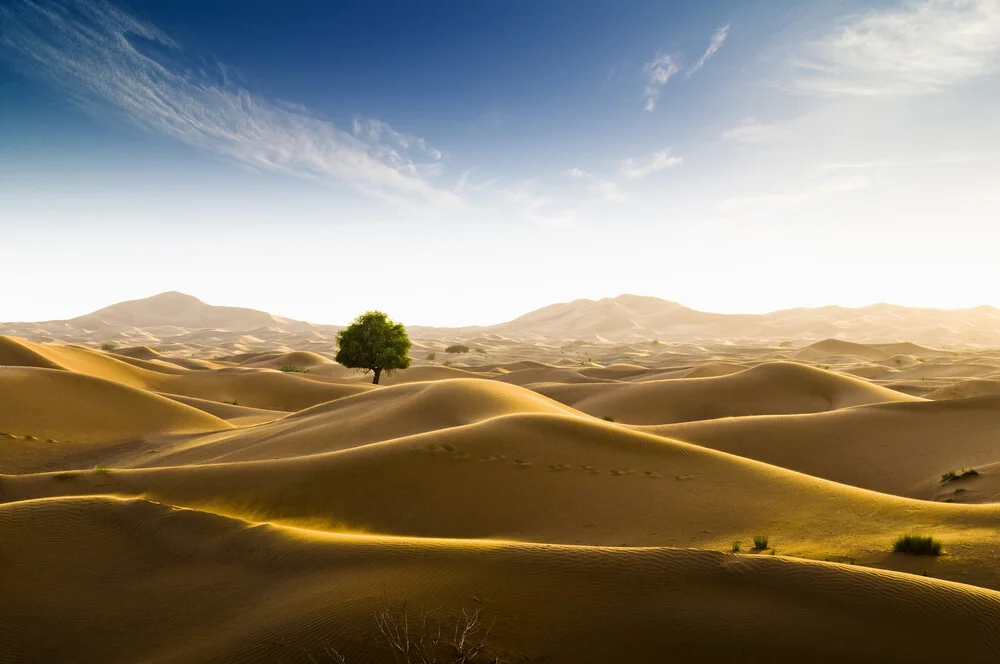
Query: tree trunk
{"points": [[378, 372]]}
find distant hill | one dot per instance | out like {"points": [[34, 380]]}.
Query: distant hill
{"points": [[628, 318], [184, 311], [624, 319]]}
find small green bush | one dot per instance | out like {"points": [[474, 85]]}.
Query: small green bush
{"points": [[447, 363], [608, 418], [952, 475], [760, 542], [431, 357], [102, 470], [291, 368], [917, 545], [736, 546], [109, 346], [457, 348]]}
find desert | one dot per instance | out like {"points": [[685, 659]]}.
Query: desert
{"points": [[233, 494]]}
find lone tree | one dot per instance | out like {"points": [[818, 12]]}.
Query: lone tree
{"points": [[374, 343]]}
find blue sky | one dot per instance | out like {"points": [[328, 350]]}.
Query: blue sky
{"points": [[465, 162]]}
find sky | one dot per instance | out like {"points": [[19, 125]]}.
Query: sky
{"points": [[459, 163]]}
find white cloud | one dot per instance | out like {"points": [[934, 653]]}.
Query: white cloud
{"points": [[663, 159], [102, 58], [658, 71], [717, 40], [606, 189], [752, 131], [916, 48]]}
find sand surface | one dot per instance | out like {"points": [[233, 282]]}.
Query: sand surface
{"points": [[183, 497]]}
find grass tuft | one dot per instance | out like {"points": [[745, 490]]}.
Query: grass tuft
{"points": [[608, 418], [291, 368], [952, 475], [102, 470], [736, 546], [917, 545], [760, 542]]}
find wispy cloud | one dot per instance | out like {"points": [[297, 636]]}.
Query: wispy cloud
{"points": [[635, 169], [752, 131], [919, 47], [658, 71], [111, 63], [605, 189], [718, 39]]}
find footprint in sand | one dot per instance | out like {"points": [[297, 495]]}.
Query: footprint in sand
{"points": [[522, 463], [559, 466]]}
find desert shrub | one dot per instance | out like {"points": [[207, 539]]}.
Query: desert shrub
{"points": [[447, 363], [64, 475], [457, 348], [655, 342], [291, 368], [431, 357], [109, 346], [952, 475], [424, 638], [102, 469], [760, 542], [736, 546], [917, 545], [608, 418]]}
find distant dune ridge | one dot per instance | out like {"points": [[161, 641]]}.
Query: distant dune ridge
{"points": [[626, 318], [183, 483]]}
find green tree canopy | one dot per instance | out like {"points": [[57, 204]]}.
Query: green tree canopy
{"points": [[374, 343]]}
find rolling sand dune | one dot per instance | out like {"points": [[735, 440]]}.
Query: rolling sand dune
{"points": [[225, 590], [536, 478], [48, 415], [187, 499], [898, 448], [774, 388]]}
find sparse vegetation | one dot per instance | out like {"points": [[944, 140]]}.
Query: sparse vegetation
{"points": [[431, 357], [232, 403], [952, 476], [608, 418], [101, 469], [291, 368], [447, 363], [760, 542], [457, 348], [65, 475], [374, 343], [736, 546], [655, 342], [917, 545], [425, 640], [109, 346]]}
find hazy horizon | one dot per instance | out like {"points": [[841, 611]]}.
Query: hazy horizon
{"points": [[465, 325], [466, 164]]}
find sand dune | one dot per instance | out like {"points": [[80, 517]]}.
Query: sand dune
{"points": [[48, 416], [773, 388], [559, 479], [196, 504], [899, 448], [279, 595]]}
